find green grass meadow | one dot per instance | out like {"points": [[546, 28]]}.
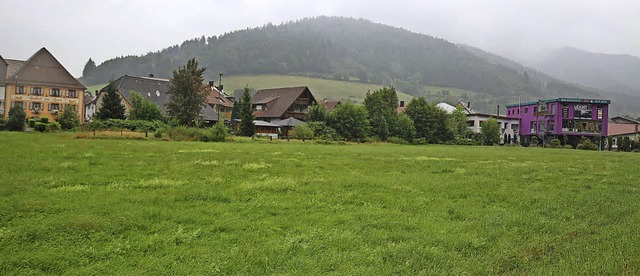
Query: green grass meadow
{"points": [[109, 206], [321, 88]]}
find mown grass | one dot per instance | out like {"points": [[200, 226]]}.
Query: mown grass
{"points": [[321, 88], [83, 206]]}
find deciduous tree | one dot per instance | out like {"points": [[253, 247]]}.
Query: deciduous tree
{"points": [[143, 109], [350, 121], [490, 132], [187, 94]]}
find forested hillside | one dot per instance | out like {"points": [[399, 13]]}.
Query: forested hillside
{"points": [[349, 50]]}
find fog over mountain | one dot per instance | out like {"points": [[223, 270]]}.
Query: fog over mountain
{"points": [[75, 30]]}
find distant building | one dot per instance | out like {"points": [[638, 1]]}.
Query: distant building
{"points": [[331, 104], [621, 127], [281, 103], [570, 118], [151, 88], [40, 85], [509, 127]]}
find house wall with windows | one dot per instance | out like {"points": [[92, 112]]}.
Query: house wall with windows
{"points": [[508, 126], [42, 87], [562, 117]]}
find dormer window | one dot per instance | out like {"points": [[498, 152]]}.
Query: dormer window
{"points": [[259, 107]]}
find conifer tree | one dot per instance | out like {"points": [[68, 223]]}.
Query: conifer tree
{"points": [[112, 107], [245, 112]]}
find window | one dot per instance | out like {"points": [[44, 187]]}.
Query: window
{"points": [[470, 123], [565, 111], [551, 126], [36, 91], [72, 93], [19, 104], [259, 107], [518, 111], [20, 90], [54, 106], [55, 92], [515, 126], [35, 106], [526, 110]]}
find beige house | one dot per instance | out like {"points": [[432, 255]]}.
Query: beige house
{"points": [[40, 85]]}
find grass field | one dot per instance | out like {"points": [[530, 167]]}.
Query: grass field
{"points": [[81, 206], [331, 89]]}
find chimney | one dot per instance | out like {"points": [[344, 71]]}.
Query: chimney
{"points": [[469, 105], [211, 84], [401, 103], [151, 75]]}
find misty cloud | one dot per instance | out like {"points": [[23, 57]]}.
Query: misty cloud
{"points": [[76, 30]]}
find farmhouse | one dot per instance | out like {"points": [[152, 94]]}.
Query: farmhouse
{"points": [[154, 90], [282, 103], [40, 85], [508, 126], [570, 118]]}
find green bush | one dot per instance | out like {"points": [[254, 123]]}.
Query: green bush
{"points": [[39, 126], [3, 123], [217, 133], [32, 122], [158, 133], [44, 120], [586, 144], [555, 143], [420, 141], [398, 140], [54, 127], [302, 132], [69, 118], [568, 146], [16, 119], [464, 141], [183, 133]]}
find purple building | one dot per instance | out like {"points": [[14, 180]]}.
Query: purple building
{"points": [[572, 118]]}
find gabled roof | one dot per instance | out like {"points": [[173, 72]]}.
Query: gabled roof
{"points": [[466, 107], [288, 122], [3, 71], [625, 120], [331, 105], [446, 107], [42, 68], [278, 100], [217, 98], [154, 90]]}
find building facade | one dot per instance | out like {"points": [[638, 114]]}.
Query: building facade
{"points": [[42, 87], [567, 119], [282, 103]]}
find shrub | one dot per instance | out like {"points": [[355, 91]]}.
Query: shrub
{"points": [[586, 144], [44, 120], [420, 141], [568, 146], [302, 132], [54, 127], [16, 119], [157, 133], [183, 133], [217, 133], [555, 143], [39, 126], [398, 140], [324, 132], [464, 141], [3, 123], [32, 122], [69, 118]]}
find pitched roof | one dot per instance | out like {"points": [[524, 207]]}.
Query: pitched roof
{"points": [[218, 98], [3, 71], [331, 104], [622, 129], [278, 100], [288, 122], [42, 68], [625, 120], [446, 107], [154, 90]]}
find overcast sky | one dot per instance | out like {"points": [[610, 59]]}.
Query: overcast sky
{"points": [[75, 30]]}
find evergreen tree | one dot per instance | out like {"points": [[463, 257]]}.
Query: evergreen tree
{"points": [[15, 121], [187, 94], [112, 107], [245, 112], [143, 109], [89, 68]]}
